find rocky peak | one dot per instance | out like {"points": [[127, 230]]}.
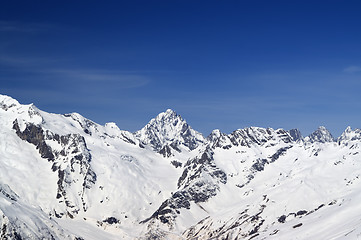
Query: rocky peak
{"points": [[350, 135], [218, 139], [7, 102], [169, 128], [215, 134], [321, 135], [259, 136], [295, 134], [168, 115]]}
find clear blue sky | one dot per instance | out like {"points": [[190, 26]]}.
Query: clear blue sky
{"points": [[220, 64]]}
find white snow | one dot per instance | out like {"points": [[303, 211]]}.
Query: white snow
{"points": [[133, 181]]}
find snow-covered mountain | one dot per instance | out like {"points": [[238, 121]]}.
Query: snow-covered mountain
{"points": [[66, 177], [321, 135], [169, 133]]}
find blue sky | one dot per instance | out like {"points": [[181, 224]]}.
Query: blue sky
{"points": [[220, 64]]}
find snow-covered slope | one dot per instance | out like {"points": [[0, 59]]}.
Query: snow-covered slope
{"points": [[66, 177]]}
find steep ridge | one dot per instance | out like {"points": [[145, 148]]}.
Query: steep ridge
{"points": [[22, 221], [321, 135], [199, 182], [296, 135], [84, 167], [302, 195], [169, 133], [350, 136], [66, 177]]}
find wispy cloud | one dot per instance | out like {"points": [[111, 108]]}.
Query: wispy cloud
{"points": [[14, 26], [352, 69], [24, 62], [125, 80], [45, 68]]}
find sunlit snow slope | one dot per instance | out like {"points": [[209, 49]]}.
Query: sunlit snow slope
{"points": [[66, 177]]}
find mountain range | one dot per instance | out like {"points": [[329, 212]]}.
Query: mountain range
{"points": [[63, 176]]}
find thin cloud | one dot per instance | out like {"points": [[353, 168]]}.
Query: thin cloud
{"points": [[23, 62], [40, 67], [101, 76], [352, 69], [14, 26]]}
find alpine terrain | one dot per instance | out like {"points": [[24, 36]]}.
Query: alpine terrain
{"points": [[67, 177]]}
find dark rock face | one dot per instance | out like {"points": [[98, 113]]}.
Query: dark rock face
{"points": [[111, 220], [259, 165], [127, 139], [279, 153], [6, 106], [321, 135], [301, 212], [73, 155], [295, 134], [8, 231], [189, 140], [297, 225], [193, 187], [175, 146], [282, 218], [176, 164], [166, 151], [35, 135]]}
